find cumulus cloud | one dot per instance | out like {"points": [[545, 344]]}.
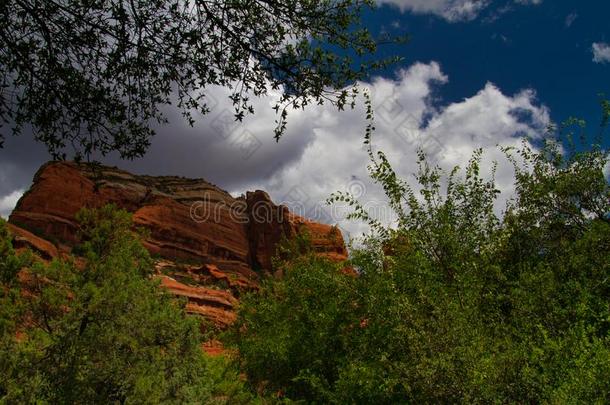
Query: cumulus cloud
{"points": [[8, 202], [601, 52], [451, 10], [406, 119], [528, 2]]}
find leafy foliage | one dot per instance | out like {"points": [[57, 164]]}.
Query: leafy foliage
{"points": [[101, 330], [454, 303], [291, 335], [94, 75]]}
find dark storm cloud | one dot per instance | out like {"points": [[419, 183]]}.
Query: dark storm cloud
{"points": [[218, 149], [19, 160]]}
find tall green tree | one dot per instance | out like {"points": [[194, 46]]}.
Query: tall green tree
{"points": [[94, 75], [102, 331]]}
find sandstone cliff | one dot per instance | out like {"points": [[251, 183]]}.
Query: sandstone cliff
{"points": [[210, 246]]}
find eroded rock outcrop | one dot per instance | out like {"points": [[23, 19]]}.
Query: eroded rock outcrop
{"points": [[23, 239], [211, 246]]}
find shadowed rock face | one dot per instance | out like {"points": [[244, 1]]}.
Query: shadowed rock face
{"points": [[212, 246]]}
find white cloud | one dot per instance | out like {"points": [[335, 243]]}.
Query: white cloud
{"points": [[407, 118], [8, 202], [601, 52], [528, 2], [451, 10], [570, 18], [322, 151]]}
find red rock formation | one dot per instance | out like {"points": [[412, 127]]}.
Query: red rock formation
{"points": [[215, 305], [205, 236], [213, 348], [23, 239], [270, 223]]}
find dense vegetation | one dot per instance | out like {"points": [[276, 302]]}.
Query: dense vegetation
{"points": [[100, 330], [455, 303]]}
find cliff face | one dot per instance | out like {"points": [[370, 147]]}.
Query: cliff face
{"points": [[210, 245]]}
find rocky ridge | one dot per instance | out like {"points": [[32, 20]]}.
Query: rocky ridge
{"points": [[209, 246]]}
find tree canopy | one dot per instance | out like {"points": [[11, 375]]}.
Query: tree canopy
{"points": [[94, 75]]}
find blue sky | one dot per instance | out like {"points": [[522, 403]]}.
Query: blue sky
{"points": [[546, 47], [476, 74]]}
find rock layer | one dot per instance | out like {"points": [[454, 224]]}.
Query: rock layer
{"points": [[204, 236]]}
